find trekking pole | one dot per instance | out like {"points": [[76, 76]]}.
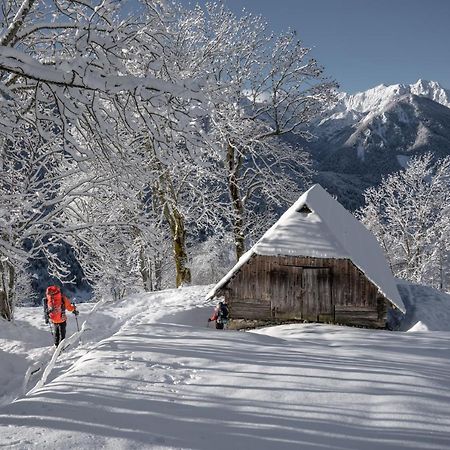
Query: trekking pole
{"points": [[51, 331], [76, 315]]}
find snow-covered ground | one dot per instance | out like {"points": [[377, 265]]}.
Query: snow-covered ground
{"points": [[426, 308], [149, 373]]}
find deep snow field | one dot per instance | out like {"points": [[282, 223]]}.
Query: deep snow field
{"points": [[148, 372]]}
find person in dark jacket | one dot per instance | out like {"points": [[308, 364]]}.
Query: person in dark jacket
{"points": [[220, 315], [55, 306]]}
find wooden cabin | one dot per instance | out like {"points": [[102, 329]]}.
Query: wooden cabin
{"points": [[317, 263]]}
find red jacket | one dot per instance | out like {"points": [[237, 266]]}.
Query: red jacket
{"points": [[57, 303]]}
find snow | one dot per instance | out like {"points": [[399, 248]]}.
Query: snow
{"points": [[432, 311], [72, 75], [150, 374], [419, 326], [432, 90], [329, 231], [375, 100]]}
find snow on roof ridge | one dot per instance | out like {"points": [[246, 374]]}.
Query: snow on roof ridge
{"points": [[329, 231]]}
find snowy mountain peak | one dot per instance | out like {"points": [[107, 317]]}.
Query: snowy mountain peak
{"points": [[432, 90], [377, 98], [351, 108], [370, 134]]}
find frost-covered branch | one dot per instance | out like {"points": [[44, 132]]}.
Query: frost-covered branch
{"points": [[17, 22]]}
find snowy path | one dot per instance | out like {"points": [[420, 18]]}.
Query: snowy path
{"points": [[166, 381]]}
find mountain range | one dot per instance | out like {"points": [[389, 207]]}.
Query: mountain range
{"points": [[370, 134]]}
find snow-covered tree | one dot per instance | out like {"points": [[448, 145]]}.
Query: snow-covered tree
{"points": [[72, 79], [123, 136], [409, 214], [265, 87], [34, 191], [211, 258]]}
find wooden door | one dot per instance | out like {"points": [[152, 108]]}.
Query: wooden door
{"points": [[286, 292], [294, 292], [316, 304]]}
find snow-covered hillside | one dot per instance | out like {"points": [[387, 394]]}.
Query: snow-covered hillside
{"points": [[150, 374]]}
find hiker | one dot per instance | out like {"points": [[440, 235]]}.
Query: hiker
{"points": [[220, 315], [55, 305]]}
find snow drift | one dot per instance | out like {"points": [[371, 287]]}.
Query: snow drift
{"points": [[150, 374]]}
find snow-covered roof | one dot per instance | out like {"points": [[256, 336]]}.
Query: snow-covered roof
{"points": [[327, 231]]}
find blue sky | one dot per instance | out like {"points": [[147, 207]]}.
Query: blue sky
{"points": [[363, 43]]}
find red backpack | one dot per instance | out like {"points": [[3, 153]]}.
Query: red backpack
{"points": [[55, 304]]}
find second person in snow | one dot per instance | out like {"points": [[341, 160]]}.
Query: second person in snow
{"points": [[220, 315]]}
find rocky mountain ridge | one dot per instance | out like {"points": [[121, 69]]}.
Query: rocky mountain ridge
{"points": [[367, 135]]}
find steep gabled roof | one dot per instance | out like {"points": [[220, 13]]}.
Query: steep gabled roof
{"points": [[317, 225]]}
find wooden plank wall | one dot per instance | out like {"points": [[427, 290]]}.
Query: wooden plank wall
{"points": [[285, 288], [316, 290]]}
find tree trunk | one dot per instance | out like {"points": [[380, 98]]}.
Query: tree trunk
{"points": [[175, 219], [157, 264], [167, 197], [441, 269], [151, 272], [7, 290], [234, 164], [145, 270]]}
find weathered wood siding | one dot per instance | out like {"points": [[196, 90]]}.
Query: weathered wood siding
{"points": [[303, 288]]}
